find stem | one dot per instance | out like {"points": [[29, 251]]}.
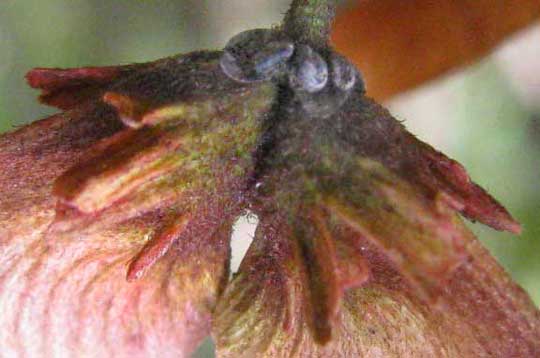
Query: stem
{"points": [[309, 21]]}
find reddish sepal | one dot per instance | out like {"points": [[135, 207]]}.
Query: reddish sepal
{"points": [[66, 88]]}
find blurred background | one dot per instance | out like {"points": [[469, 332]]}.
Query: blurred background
{"points": [[487, 116]]}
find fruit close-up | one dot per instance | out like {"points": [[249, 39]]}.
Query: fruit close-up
{"points": [[269, 186]]}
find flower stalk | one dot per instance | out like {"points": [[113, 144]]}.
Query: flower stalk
{"points": [[310, 21]]}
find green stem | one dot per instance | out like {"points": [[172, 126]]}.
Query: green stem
{"points": [[309, 21]]}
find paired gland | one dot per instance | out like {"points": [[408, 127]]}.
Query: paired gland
{"points": [[321, 81]]}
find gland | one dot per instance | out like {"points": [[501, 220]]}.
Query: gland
{"points": [[256, 55], [344, 74], [320, 81], [308, 70]]}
